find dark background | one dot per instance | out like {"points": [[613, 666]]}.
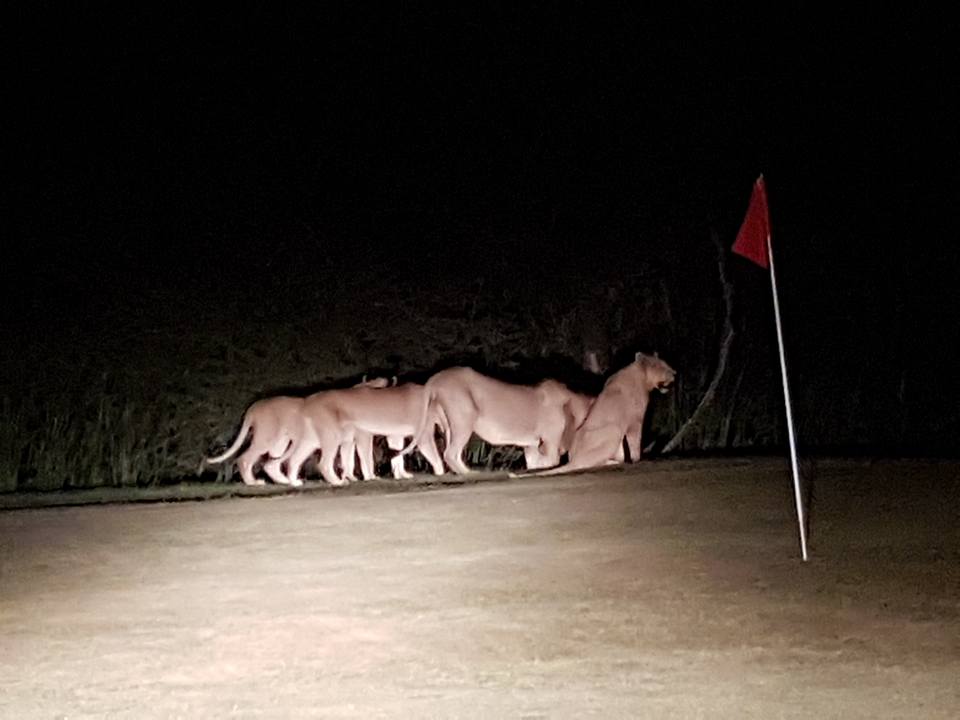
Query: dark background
{"points": [[174, 170]]}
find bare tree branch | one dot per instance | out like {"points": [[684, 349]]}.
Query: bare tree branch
{"points": [[725, 345]]}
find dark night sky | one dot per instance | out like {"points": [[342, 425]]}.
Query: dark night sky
{"points": [[150, 144]]}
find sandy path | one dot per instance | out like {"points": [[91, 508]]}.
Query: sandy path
{"points": [[662, 592]]}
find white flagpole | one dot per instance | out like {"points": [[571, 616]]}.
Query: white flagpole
{"points": [[801, 520]]}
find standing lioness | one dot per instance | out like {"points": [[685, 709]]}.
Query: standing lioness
{"points": [[335, 419], [540, 418]]}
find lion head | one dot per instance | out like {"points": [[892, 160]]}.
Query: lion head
{"points": [[660, 376]]}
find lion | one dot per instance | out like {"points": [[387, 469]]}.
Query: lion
{"points": [[276, 423], [394, 410], [541, 419], [618, 412], [338, 419]]}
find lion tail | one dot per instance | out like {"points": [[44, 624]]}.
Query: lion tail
{"points": [[421, 423], [442, 420], [556, 470], [563, 469], [241, 437]]}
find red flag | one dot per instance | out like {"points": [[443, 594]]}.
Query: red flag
{"points": [[752, 239]]}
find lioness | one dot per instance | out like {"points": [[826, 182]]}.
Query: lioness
{"points": [[336, 419], [617, 412], [276, 423], [541, 418]]}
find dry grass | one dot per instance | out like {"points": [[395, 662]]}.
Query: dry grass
{"points": [[140, 407]]}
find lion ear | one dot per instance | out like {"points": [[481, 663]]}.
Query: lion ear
{"points": [[592, 363]]}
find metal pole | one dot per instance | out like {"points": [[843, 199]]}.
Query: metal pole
{"points": [[801, 520]]}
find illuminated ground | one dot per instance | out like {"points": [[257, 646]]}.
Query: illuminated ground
{"points": [[673, 590]]}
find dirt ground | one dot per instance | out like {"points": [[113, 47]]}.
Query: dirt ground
{"points": [[669, 590]]}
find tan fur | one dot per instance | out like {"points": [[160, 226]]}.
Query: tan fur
{"points": [[541, 418], [362, 445], [618, 412], [336, 419], [276, 423]]}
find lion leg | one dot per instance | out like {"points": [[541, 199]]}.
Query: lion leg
{"points": [[428, 448], [459, 437], [273, 467], [532, 458], [256, 450], [348, 461], [634, 442], [549, 454], [618, 456], [364, 443], [274, 471], [245, 465], [396, 442], [328, 456], [289, 479], [297, 458], [595, 447]]}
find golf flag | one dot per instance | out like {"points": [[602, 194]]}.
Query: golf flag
{"points": [[752, 239], [753, 243]]}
